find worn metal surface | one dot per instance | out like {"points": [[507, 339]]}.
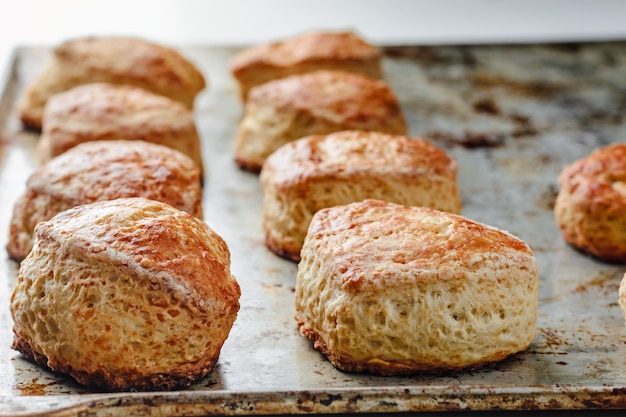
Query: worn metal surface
{"points": [[513, 116]]}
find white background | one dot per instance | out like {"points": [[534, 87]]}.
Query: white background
{"points": [[236, 22]]}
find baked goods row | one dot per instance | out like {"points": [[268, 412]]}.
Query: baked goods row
{"points": [[391, 279], [316, 160], [121, 285]]}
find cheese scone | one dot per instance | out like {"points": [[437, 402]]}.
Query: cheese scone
{"points": [[320, 171], [106, 111], [117, 60], [315, 103], [590, 207], [103, 170], [307, 52], [127, 294], [392, 289]]}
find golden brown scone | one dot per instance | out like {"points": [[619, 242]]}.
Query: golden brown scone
{"points": [[315, 103], [128, 294], [392, 289], [103, 170], [116, 60], [322, 171], [310, 51], [590, 208], [622, 296], [105, 111]]}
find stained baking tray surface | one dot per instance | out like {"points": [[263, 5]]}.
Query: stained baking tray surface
{"points": [[513, 116]]}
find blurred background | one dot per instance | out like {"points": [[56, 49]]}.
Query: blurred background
{"points": [[241, 22]]}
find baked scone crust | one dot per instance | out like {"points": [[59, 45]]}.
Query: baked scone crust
{"points": [[103, 170], [321, 171], [117, 60], [128, 294], [104, 111], [392, 289], [315, 103], [590, 207], [307, 52]]}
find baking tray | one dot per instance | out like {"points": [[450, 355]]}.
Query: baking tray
{"points": [[513, 116]]}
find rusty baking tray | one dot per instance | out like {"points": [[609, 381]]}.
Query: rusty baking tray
{"points": [[513, 116]]}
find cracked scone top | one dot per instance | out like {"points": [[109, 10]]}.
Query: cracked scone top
{"points": [[105, 111], [117, 60], [392, 289], [315, 103], [307, 52], [103, 170], [129, 294], [321, 171]]}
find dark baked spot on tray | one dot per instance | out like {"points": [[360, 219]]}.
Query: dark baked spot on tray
{"points": [[523, 126], [547, 199], [468, 140], [486, 105], [552, 341], [539, 89], [35, 387], [604, 280]]}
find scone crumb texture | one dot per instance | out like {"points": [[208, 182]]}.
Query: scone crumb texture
{"points": [[392, 289]]}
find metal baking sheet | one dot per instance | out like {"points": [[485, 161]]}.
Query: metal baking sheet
{"points": [[513, 116]]}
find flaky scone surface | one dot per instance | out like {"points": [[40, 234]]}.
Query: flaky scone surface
{"points": [[117, 60], [590, 208], [321, 171], [103, 170], [129, 294], [392, 289], [316, 103], [105, 111], [307, 52]]}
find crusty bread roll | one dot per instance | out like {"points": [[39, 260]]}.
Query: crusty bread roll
{"points": [[127, 294], [103, 170], [315, 103], [392, 289], [117, 60], [322, 171], [307, 52], [590, 207], [622, 296], [105, 111]]}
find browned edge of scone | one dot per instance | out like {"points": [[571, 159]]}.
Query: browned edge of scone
{"points": [[289, 252], [107, 382], [381, 368]]}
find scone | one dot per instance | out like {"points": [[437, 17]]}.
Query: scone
{"points": [[315, 103], [103, 170], [117, 60], [310, 51], [105, 111], [391, 289], [322, 171], [590, 207], [622, 296], [128, 294]]}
